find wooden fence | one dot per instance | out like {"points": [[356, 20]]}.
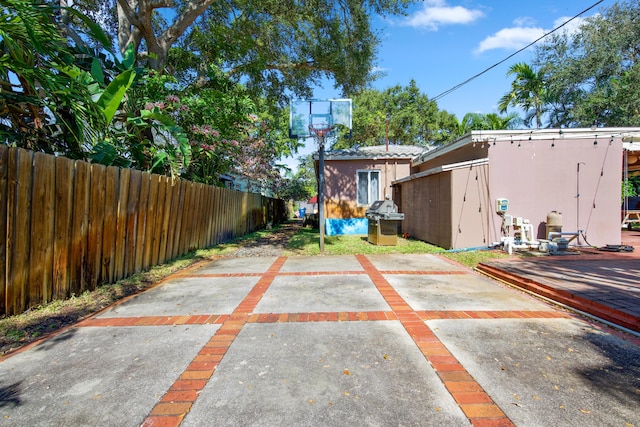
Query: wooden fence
{"points": [[68, 226]]}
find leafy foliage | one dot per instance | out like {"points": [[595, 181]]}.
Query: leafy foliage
{"points": [[592, 76], [274, 46], [78, 102], [229, 132], [411, 118], [490, 121], [528, 91], [302, 185], [43, 106]]}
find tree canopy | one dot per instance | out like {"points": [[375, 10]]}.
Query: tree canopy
{"points": [[405, 114], [301, 185], [275, 47], [196, 88], [592, 75]]}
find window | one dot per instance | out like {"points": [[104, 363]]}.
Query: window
{"points": [[368, 183]]}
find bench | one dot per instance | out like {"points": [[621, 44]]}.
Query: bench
{"points": [[630, 217]]}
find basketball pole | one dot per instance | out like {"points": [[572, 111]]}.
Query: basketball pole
{"points": [[321, 190], [320, 132]]}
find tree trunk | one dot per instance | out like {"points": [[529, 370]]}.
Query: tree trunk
{"points": [[125, 28], [135, 24]]}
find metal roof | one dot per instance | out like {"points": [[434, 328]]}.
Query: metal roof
{"points": [[376, 152], [628, 134]]}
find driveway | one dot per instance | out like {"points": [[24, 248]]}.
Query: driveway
{"points": [[327, 341]]}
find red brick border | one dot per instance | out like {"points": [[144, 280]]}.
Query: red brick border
{"points": [[476, 404], [181, 396], [564, 297], [338, 316]]}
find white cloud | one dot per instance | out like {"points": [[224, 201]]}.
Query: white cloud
{"points": [[572, 27], [524, 21], [437, 13], [510, 38], [524, 32]]}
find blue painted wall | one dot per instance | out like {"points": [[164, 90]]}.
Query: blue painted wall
{"points": [[335, 227]]}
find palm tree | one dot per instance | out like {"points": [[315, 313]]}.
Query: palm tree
{"points": [[527, 92], [42, 106], [59, 97], [491, 121], [497, 122]]}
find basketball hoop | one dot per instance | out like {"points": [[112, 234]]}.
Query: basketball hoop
{"points": [[320, 130], [316, 118]]}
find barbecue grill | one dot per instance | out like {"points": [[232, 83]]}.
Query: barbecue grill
{"points": [[383, 217]]}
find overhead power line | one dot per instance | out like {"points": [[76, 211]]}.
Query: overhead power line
{"points": [[458, 86]]}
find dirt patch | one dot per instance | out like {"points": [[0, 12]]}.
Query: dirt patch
{"points": [[271, 245]]}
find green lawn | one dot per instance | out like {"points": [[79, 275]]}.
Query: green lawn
{"points": [[307, 242]]}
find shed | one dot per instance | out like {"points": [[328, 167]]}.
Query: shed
{"points": [[450, 197]]}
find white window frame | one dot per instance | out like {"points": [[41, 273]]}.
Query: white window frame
{"points": [[368, 172]]}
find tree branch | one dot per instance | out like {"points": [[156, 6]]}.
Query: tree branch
{"points": [[129, 13], [192, 10], [159, 4], [308, 65]]}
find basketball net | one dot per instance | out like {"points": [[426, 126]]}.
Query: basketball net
{"points": [[320, 131]]}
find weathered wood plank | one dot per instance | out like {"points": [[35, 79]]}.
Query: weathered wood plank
{"points": [[42, 226], [79, 226], [179, 215], [185, 233], [166, 217], [154, 182], [193, 216], [132, 222], [121, 224], [237, 231], [19, 222], [244, 214], [143, 210], [225, 212], [209, 204], [96, 225], [112, 190], [207, 217], [215, 213], [206, 201], [174, 187], [197, 217], [4, 165], [62, 234], [158, 219]]}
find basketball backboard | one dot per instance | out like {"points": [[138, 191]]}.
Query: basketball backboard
{"points": [[329, 112]]}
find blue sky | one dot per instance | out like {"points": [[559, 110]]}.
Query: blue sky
{"points": [[442, 43]]}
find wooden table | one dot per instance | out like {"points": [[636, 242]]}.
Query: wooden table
{"points": [[630, 217]]}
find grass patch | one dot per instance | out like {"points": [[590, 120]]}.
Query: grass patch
{"points": [[471, 259], [307, 242]]}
